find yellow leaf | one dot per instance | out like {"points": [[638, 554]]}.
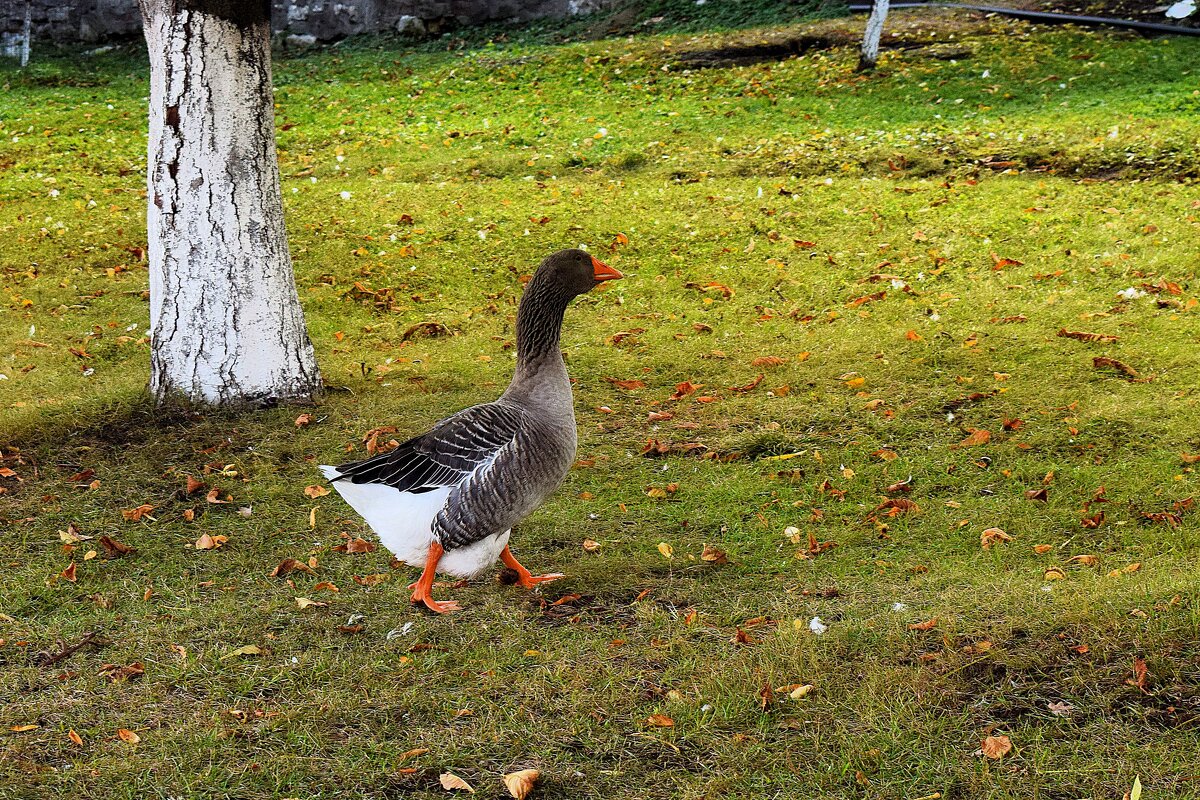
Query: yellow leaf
{"points": [[1054, 574], [521, 783], [245, 650], [23, 728], [304, 602], [666, 550], [451, 782], [128, 736], [800, 692], [315, 491]]}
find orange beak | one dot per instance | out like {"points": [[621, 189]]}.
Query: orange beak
{"points": [[604, 272]]}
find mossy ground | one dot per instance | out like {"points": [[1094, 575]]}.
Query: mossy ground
{"points": [[788, 182]]}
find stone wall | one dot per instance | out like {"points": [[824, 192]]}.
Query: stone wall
{"points": [[97, 21]]}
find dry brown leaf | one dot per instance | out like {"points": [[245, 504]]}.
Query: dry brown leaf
{"points": [[304, 602], [303, 420], [135, 514], [627, 384], [591, 545], [128, 736], [68, 574], [370, 580], [23, 728], [193, 485], [206, 542], [927, 625], [1094, 521], [1085, 560], [992, 536], [1084, 336], [995, 747], [521, 782], [1099, 362], [660, 721], [356, 545], [315, 491], [768, 361], [714, 555], [1040, 495], [214, 496], [290, 565], [978, 436], [1054, 574], [451, 782], [75, 737], [1042, 549], [115, 549], [898, 505]]}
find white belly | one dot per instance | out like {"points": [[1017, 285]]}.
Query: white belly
{"points": [[404, 523]]}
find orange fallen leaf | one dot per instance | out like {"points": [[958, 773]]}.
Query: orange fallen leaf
{"points": [[128, 736], [193, 485], [521, 783], [213, 496], [927, 625], [995, 747], [23, 728], [992, 536], [75, 737], [304, 419], [1041, 549], [68, 573], [206, 542], [978, 436], [660, 721], [1140, 674], [714, 555], [357, 545], [627, 384], [315, 491], [135, 514], [768, 361]]}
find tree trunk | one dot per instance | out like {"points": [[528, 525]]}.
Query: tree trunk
{"points": [[225, 318], [870, 46]]}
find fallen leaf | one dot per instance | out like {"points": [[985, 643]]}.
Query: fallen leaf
{"points": [[927, 625], [305, 602], [660, 721], [1140, 674], [244, 650], [315, 491], [1054, 574], [451, 782], [1087, 337], [289, 565], [1042, 549], [117, 674], [666, 550], [75, 737], [115, 549], [1060, 708], [206, 542], [193, 485], [23, 728], [370, 580], [714, 555], [303, 420], [768, 361], [521, 783], [135, 514], [68, 573], [978, 436], [992, 536], [357, 545], [1100, 362], [128, 736], [627, 384], [1085, 560], [995, 747], [800, 692], [591, 545], [1040, 495], [214, 496]]}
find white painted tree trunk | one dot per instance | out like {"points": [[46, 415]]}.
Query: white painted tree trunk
{"points": [[870, 46], [225, 318]]}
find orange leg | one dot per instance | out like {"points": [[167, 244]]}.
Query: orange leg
{"points": [[423, 588], [524, 577]]}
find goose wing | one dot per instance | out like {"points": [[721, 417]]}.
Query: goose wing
{"points": [[447, 455]]}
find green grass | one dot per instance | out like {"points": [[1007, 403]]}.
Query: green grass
{"points": [[495, 152]]}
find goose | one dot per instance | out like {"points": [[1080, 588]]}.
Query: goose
{"points": [[447, 500]]}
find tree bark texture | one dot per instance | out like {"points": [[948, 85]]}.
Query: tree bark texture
{"points": [[225, 318], [870, 46]]}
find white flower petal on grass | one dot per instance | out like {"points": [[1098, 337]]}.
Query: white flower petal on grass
{"points": [[345, 195], [816, 626]]}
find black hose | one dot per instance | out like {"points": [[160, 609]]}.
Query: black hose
{"points": [[1050, 17]]}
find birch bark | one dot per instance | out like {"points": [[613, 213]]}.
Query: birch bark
{"points": [[225, 318], [869, 54]]}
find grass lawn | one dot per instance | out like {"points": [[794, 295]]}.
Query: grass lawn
{"points": [[862, 277]]}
